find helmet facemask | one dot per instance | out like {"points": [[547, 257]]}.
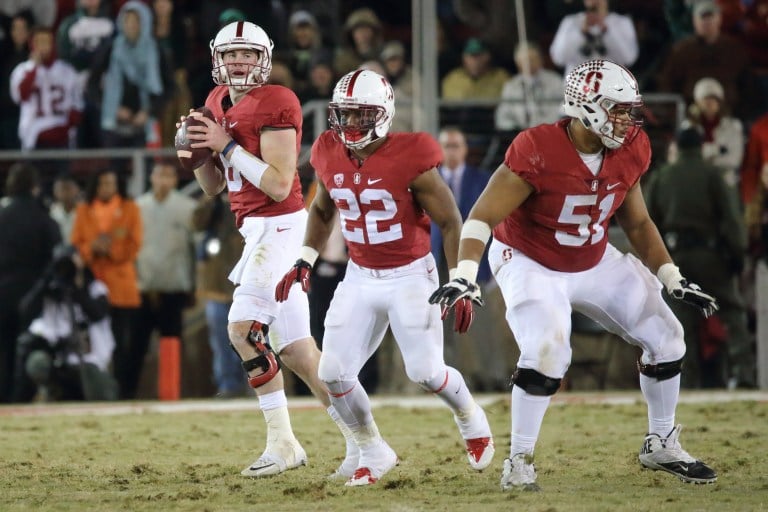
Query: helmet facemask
{"points": [[618, 116], [356, 124]]}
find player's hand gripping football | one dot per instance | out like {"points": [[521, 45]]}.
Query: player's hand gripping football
{"points": [[691, 293], [461, 295], [299, 273]]}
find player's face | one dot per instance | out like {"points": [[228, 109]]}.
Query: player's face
{"points": [[356, 122], [240, 62], [623, 117]]}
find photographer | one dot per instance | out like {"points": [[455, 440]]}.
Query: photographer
{"points": [[594, 33], [66, 351]]}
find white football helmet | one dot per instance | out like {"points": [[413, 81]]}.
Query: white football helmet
{"points": [[242, 35], [362, 108], [596, 87]]}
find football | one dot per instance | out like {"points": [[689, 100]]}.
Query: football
{"points": [[189, 157]]}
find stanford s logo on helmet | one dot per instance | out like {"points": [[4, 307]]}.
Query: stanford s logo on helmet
{"points": [[599, 93], [362, 108], [241, 35]]}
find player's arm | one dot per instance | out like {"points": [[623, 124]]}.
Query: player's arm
{"points": [[644, 236], [322, 212], [634, 219], [273, 173], [319, 226], [505, 192], [434, 196], [210, 178]]}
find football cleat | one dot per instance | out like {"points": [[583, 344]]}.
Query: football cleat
{"points": [[276, 460], [476, 433], [519, 473], [375, 462], [480, 452], [667, 455], [347, 468]]}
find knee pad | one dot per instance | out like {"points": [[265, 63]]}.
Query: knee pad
{"points": [[264, 361], [535, 383], [660, 371]]}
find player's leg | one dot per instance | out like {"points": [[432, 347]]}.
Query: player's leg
{"points": [[346, 347], [253, 311], [629, 303], [282, 451], [539, 314], [418, 331], [298, 351]]}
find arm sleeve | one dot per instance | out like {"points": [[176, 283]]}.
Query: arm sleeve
{"points": [[517, 158], [23, 81], [129, 251], [289, 116]]}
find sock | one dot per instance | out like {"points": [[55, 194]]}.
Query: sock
{"points": [[274, 406], [527, 416], [452, 390], [353, 406], [345, 430], [661, 397]]}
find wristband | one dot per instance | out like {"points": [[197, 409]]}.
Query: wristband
{"points": [[232, 143], [669, 275], [252, 167], [476, 229], [467, 269], [309, 255]]}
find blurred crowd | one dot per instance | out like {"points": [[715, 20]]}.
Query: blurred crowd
{"points": [[118, 74]]}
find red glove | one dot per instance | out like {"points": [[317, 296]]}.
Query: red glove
{"points": [[299, 273], [463, 312]]}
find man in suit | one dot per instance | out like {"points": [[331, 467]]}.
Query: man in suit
{"points": [[483, 352]]}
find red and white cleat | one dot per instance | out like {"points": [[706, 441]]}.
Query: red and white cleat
{"points": [[375, 462], [480, 452]]}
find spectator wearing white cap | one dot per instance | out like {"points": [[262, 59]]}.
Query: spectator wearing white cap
{"points": [[723, 135]]}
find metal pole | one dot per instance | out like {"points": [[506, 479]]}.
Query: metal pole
{"points": [[425, 90]]}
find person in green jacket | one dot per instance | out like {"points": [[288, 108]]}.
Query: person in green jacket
{"points": [[699, 215]]}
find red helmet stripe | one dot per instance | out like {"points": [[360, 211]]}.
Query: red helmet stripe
{"points": [[239, 31], [352, 81]]}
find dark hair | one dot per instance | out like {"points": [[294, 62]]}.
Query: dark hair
{"points": [[22, 180], [93, 184], [689, 138]]}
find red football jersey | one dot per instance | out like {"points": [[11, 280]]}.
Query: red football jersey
{"points": [[269, 105], [382, 224], [563, 224]]}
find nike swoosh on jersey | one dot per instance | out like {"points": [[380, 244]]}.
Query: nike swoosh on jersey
{"points": [[371, 182], [612, 186], [430, 270], [280, 230]]}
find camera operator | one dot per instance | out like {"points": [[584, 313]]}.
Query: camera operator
{"points": [[66, 351]]}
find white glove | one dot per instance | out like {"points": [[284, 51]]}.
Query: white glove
{"points": [[679, 288]]}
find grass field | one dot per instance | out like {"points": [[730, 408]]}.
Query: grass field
{"points": [[586, 460]]}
